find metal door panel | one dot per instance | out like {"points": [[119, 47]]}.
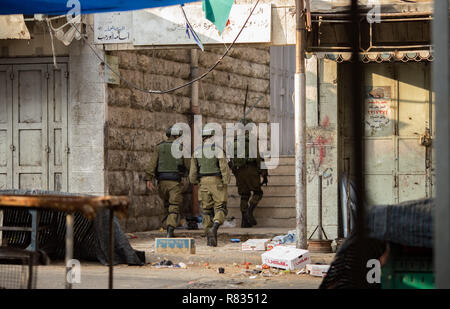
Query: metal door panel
{"points": [[30, 161], [411, 187], [5, 126], [411, 158], [379, 100], [379, 189], [413, 121], [379, 156], [413, 111], [29, 142], [57, 127], [30, 180], [4, 154], [282, 67], [29, 92], [432, 168], [397, 166], [3, 149]]}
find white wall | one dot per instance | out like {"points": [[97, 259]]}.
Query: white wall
{"points": [[86, 119], [322, 138]]}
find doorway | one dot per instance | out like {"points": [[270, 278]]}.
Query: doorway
{"points": [[33, 126]]}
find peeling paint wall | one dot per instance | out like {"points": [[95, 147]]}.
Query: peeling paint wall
{"points": [[322, 142], [86, 101], [87, 108]]}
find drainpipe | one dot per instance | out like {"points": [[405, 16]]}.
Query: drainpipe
{"points": [[195, 110], [300, 128]]}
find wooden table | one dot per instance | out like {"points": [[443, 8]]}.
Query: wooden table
{"points": [[88, 206]]}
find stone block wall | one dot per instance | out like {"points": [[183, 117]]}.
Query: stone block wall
{"points": [[136, 121]]}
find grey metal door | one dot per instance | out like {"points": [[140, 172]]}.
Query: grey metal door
{"points": [[57, 127], [30, 162], [398, 131], [33, 126], [282, 70], [5, 126]]}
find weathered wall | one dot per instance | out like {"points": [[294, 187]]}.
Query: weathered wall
{"points": [[38, 46], [137, 121], [322, 142], [86, 118], [86, 101]]}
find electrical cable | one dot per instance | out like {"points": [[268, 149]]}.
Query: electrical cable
{"points": [[50, 31], [132, 85]]}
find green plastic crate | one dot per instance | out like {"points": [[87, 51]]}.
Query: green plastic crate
{"points": [[408, 270]]}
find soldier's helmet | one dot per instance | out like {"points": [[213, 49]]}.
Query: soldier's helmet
{"points": [[170, 132]]}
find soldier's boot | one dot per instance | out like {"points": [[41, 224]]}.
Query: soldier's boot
{"points": [[170, 230], [212, 235], [250, 216], [244, 222], [257, 196]]}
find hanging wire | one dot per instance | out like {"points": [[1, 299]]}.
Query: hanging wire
{"points": [[50, 31], [132, 85]]}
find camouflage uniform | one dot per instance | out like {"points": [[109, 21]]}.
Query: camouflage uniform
{"points": [[248, 174], [213, 174], [168, 171]]}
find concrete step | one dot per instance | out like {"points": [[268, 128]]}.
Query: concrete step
{"points": [[270, 190], [265, 212], [288, 160], [274, 180], [283, 170], [267, 201]]}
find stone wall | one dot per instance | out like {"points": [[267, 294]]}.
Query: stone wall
{"points": [[136, 121]]}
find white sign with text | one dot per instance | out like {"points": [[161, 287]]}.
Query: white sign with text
{"points": [[112, 27], [167, 25]]}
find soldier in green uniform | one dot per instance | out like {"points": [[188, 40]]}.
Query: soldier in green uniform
{"points": [[168, 172], [213, 174], [248, 175]]}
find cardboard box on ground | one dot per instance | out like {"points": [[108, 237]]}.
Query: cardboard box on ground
{"points": [[286, 257], [255, 245]]}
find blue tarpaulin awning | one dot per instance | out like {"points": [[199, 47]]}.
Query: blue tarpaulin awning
{"points": [[62, 7]]}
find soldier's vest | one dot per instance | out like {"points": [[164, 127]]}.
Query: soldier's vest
{"points": [[169, 168], [207, 166], [240, 162]]}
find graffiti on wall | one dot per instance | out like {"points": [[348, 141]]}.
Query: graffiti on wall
{"points": [[319, 145]]}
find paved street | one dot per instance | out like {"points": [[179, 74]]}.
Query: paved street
{"points": [[95, 276], [201, 271], [226, 252]]}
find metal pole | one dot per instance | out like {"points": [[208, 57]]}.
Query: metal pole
{"points": [[359, 270], [111, 247], [300, 127], [69, 247], [441, 87], [320, 207], [195, 110]]}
